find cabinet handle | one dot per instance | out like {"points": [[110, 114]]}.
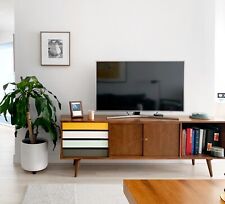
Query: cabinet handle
{"points": [[146, 139]]}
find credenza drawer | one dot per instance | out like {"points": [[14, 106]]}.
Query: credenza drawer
{"points": [[85, 143], [85, 134], [71, 152], [84, 126], [84, 139]]}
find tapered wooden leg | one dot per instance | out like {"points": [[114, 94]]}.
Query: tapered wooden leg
{"points": [[76, 166], [209, 167], [193, 162]]}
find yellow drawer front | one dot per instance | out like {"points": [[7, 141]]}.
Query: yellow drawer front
{"points": [[84, 126]]}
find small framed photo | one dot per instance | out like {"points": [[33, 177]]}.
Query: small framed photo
{"points": [[76, 109], [55, 48]]}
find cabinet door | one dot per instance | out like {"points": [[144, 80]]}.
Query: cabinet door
{"points": [[161, 139], [125, 139]]}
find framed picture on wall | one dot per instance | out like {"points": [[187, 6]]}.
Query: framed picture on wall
{"points": [[76, 109], [55, 48]]}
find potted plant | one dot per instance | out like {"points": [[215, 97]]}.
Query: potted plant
{"points": [[27, 93]]}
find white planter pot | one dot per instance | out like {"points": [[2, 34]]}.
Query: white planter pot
{"points": [[34, 157]]}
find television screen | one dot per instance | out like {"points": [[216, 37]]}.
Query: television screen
{"points": [[150, 86]]}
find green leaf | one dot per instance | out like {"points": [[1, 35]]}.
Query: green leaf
{"points": [[6, 95], [21, 111], [59, 104], [48, 126], [5, 86], [49, 110], [4, 106], [39, 104]]}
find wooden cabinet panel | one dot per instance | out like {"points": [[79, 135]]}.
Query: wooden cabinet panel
{"points": [[125, 139], [161, 139]]}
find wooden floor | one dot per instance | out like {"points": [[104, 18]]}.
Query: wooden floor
{"points": [[13, 180]]}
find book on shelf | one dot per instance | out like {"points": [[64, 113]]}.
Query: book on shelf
{"points": [[188, 141], [203, 140], [196, 140], [183, 142], [193, 142], [201, 132]]}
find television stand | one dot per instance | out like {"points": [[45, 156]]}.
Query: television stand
{"points": [[142, 116], [123, 116], [141, 138]]}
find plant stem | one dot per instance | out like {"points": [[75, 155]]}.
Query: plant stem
{"points": [[31, 135]]}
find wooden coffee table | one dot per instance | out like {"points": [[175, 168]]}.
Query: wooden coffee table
{"points": [[174, 191]]}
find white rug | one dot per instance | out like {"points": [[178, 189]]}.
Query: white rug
{"points": [[75, 194]]}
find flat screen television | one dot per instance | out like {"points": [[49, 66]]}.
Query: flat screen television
{"points": [[147, 86]]}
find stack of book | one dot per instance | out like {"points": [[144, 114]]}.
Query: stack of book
{"points": [[199, 141]]}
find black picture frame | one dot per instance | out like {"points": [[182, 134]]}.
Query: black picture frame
{"points": [[76, 110]]}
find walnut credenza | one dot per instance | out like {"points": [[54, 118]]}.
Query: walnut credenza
{"points": [[130, 138]]}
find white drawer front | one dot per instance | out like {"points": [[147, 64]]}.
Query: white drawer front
{"points": [[85, 134], [85, 143]]}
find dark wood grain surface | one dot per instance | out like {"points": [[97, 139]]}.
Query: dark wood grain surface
{"points": [[125, 139], [161, 139]]}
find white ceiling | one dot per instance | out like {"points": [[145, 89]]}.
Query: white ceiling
{"points": [[6, 15]]}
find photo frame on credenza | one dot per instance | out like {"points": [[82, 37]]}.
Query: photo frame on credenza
{"points": [[76, 110], [55, 48]]}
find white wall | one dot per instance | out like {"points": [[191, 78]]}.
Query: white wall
{"points": [[219, 56], [118, 30], [220, 45], [6, 37]]}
